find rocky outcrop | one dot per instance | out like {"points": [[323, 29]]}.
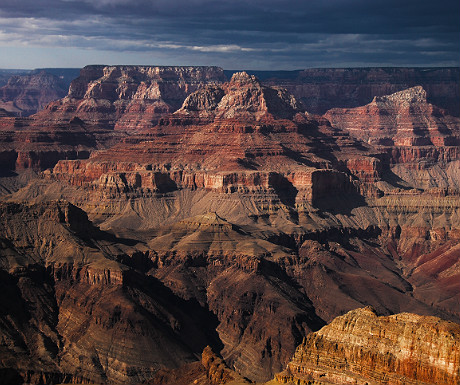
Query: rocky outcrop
{"points": [[420, 143], [129, 97], [211, 370], [321, 89], [242, 98], [217, 371], [73, 312], [28, 143], [362, 348], [239, 222], [401, 119]]}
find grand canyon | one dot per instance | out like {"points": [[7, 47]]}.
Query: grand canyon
{"points": [[190, 225]]}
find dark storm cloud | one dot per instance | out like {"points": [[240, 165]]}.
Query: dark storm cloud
{"points": [[270, 33]]}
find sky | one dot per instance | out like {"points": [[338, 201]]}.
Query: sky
{"points": [[252, 34]]}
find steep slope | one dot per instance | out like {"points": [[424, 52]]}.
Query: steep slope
{"points": [[26, 144], [75, 310], [420, 140], [128, 97], [101, 99], [362, 348], [24, 95], [321, 89], [401, 119]]}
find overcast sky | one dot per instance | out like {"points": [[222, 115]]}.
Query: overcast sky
{"points": [[252, 34]]}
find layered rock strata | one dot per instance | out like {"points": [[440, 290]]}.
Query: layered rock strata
{"points": [[75, 309], [420, 141], [321, 89], [25, 144], [129, 97], [404, 118], [362, 348], [24, 95], [239, 221]]}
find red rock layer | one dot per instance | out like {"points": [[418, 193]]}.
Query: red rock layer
{"points": [[401, 119], [26, 94], [129, 97], [321, 89], [362, 348], [240, 136], [72, 312], [25, 143]]}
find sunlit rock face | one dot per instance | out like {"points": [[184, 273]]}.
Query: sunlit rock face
{"points": [[362, 348], [129, 97], [404, 118], [321, 89]]}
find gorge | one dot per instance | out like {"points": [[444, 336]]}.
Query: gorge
{"points": [[175, 225]]}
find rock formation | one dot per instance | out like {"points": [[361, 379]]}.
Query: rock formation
{"points": [[321, 89], [25, 95], [212, 370], [362, 348], [129, 97], [25, 144], [421, 140], [238, 221], [76, 308], [401, 119]]}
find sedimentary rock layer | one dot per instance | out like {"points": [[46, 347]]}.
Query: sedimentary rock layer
{"points": [[362, 348], [129, 97], [321, 89], [24, 95], [401, 119]]}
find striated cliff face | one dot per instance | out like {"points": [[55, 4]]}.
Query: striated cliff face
{"points": [[321, 89], [24, 95], [244, 98], [25, 144], [420, 140], [129, 97], [75, 309], [362, 348], [400, 119]]}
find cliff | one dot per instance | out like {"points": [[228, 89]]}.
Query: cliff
{"points": [[129, 97], [25, 95], [321, 89], [75, 309], [404, 118], [362, 348], [239, 221]]}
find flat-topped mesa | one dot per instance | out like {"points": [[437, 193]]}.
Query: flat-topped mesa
{"points": [[129, 97], [242, 98], [404, 118], [362, 348]]}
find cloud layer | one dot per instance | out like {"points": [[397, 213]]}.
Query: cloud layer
{"points": [[269, 34]]}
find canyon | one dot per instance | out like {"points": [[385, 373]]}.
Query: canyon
{"points": [[172, 225], [27, 92]]}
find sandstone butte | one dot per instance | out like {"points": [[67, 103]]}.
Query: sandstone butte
{"points": [[157, 210]]}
